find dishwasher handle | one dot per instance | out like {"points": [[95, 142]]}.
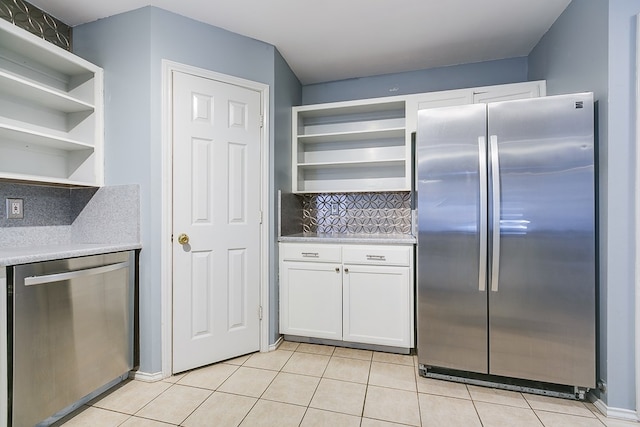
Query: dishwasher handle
{"points": [[50, 278]]}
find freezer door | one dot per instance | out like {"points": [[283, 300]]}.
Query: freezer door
{"points": [[451, 267], [542, 297]]}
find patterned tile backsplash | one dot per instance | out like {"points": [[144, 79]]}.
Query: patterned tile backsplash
{"points": [[368, 213], [36, 21]]}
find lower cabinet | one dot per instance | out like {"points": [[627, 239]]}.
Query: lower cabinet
{"points": [[376, 305], [311, 299], [355, 293]]}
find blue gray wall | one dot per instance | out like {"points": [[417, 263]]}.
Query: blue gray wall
{"points": [[120, 45], [288, 92], [620, 198], [130, 48], [487, 73], [591, 47]]}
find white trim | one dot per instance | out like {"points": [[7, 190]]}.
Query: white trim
{"points": [[617, 413], [168, 67], [275, 345], [637, 222], [146, 376]]}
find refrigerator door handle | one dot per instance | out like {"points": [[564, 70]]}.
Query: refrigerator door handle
{"points": [[495, 212], [482, 173]]}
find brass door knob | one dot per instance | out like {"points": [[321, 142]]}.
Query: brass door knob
{"points": [[183, 239]]}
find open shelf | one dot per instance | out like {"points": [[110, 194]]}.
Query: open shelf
{"points": [[32, 137], [351, 146], [29, 91], [353, 136], [354, 164], [51, 125]]}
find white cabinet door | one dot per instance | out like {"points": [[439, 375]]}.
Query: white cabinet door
{"points": [[311, 299], [448, 98], [377, 305], [509, 92]]}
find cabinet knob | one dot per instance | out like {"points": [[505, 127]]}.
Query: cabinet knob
{"points": [[183, 239], [346, 270], [337, 270]]}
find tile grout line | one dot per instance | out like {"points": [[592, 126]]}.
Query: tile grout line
{"points": [[258, 399], [475, 408], [317, 386], [198, 406], [366, 390], [534, 411]]}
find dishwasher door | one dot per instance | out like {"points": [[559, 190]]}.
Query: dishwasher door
{"points": [[70, 332]]}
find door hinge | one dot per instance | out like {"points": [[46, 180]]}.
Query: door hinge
{"points": [[259, 312], [260, 217], [261, 121]]}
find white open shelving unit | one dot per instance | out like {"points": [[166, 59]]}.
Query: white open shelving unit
{"points": [[365, 145], [51, 112], [351, 146]]}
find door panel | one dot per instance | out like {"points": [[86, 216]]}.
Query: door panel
{"points": [[237, 183], [542, 317], [452, 301], [237, 289], [216, 161], [200, 307]]}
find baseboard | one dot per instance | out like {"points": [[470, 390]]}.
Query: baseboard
{"points": [[276, 344], [146, 376], [618, 413]]}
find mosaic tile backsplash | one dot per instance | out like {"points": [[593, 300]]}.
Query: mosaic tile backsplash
{"points": [[368, 213]]}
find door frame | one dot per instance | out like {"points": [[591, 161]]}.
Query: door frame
{"points": [[166, 275], [637, 222]]}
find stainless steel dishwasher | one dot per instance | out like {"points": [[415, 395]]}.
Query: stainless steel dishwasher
{"points": [[70, 332]]}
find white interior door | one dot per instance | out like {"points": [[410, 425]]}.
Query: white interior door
{"points": [[216, 203]]}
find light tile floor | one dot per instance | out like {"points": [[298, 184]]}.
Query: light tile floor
{"points": [[310, 385]]}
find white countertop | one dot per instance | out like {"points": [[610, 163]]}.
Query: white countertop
{"points": [[25, 255], [362, 238]]}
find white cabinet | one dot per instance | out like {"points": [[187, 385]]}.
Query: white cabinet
{"points": [[509, 92], [445, 98], [51, 120], [351, 146], [451, 98], [311, 290], [311, 299], [365, 296], [376, 305]]}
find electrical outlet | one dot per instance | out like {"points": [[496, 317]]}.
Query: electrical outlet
{"points": [[335, 209], [15, 209]]}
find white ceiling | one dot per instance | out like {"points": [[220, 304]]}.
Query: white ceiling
{"points": [[339, 39]]}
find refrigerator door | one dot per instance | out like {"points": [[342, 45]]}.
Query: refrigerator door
{"points": [[542, 301], [451, 267]]}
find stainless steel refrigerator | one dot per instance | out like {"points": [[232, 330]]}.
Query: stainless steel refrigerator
{"points": [[506, 267]]}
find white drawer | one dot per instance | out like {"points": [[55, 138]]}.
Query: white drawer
{"points": [[310, 252], [378, 255]]}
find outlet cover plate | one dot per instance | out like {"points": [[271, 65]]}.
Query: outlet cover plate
{"points": [[15, 209]]}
